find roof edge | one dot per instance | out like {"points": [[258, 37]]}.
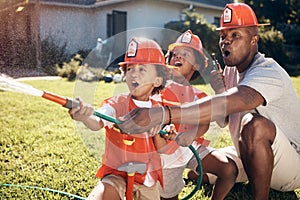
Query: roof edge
{"points": [[203, 5], [96, 5], [112, 2]]}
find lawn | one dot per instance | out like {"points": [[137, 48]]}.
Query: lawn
{"points": [[44, 154]]}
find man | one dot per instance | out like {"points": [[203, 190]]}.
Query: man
{"points": [[264, 103]]}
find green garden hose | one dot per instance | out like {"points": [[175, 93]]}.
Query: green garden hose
{"points": [[200, 171], [44, 189]]}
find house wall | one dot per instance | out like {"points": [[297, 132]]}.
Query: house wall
{"points": [[80, 27], [15, 35], [74, 26]]}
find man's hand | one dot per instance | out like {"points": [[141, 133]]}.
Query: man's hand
{"points": [[217, 81], [140, 120], [154, 131], [185, 139]]}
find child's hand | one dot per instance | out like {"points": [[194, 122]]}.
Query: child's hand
{"points": [[81, 113], [171, 132]]}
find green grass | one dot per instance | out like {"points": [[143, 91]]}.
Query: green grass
{"points": [[41, 146]]}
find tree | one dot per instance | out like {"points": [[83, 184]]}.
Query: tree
{"points": [[276, 11], [284, 16]]}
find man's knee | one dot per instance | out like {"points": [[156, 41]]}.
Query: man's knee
{"points": [[257, 128]]}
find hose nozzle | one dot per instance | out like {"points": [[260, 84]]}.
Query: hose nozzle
{"points": [[65, 102]]}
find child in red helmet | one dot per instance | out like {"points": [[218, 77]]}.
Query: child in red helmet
{"points": [[187, 55], [131, 166]]}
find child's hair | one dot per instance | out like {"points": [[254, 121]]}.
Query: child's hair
{"points": [[161, 71], [200, 59]]}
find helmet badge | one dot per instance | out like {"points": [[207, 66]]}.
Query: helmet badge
{"points": [[227, 15], [132, 49], [187, 37]]}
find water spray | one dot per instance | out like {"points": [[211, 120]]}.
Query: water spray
{"points": [[10, 84]]}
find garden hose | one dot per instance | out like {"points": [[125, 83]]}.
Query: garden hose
{"points": [[44, 189], [200, 171]]}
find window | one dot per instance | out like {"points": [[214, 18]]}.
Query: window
{"points": [[217, 21], [116, 22]]}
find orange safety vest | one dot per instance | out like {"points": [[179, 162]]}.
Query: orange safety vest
{"points": [[177, 94], [121, 148]]}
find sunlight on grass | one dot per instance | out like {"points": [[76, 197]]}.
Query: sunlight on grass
{"points": [[40, 145]]}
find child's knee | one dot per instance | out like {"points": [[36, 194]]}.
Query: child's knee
{"points": [[229, 171]]}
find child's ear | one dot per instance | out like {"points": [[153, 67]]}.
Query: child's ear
{"points": [[158, 81]]}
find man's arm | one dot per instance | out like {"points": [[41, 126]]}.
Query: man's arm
{"points": [[238, 99], [203, 111]]}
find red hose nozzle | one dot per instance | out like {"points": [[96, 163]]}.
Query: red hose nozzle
{"points": [[66, 102]]}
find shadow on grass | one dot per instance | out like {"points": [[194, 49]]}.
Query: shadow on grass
{"points": [[242, 191]]}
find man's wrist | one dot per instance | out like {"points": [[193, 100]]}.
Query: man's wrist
{"points": [[169, 115]]}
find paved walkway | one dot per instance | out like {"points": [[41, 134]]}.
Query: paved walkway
{"points": [[39, 78]]}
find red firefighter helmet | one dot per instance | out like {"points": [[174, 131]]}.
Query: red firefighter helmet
{"points": [[236, 15], [143, 51], [188, 39]]}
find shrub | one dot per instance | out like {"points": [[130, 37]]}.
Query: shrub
{"points": [[272, 44], [69, 69], [76, 68], [52, 55], [290, 32]]}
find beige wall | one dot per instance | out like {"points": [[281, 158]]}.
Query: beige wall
{"points": [[80, 27]]}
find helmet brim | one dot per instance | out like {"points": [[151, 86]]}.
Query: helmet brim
{"points": [[172, 46], [240, 26], [121, 64]]}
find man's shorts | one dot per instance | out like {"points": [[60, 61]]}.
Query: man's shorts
{"points": [[173, 181], [286, 171], [139, 191]]}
